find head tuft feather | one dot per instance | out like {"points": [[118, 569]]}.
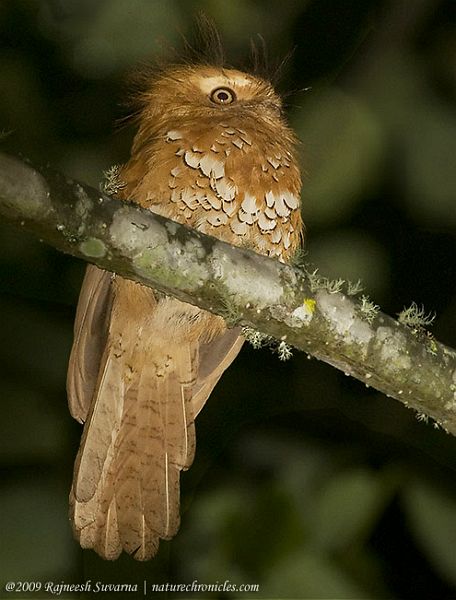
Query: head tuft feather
{"points": [[203, 48]]}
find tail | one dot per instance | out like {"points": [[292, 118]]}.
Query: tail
{"points": [[139, 413]]}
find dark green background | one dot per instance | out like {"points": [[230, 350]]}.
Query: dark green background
{"points": [[305, 482]]}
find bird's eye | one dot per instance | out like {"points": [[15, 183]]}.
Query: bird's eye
{"points": [[223, 95]]}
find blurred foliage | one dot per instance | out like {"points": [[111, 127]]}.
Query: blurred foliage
{"points": [[305, 482]]}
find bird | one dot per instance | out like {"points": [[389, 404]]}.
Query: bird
{"points": [[212, 151]]}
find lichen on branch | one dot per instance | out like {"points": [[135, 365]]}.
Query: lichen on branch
{"points": [[293, 305]]}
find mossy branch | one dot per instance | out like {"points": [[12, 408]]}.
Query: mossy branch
{"points": [[292, 305]]}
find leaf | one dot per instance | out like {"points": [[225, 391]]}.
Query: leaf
{"points": [[432, 516], [348, 508], [36, 537], [343, 148], [308, 575]]}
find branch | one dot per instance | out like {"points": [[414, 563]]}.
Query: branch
{"points": [[279, 300]]}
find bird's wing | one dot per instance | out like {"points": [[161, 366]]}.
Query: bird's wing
{"points": [[90, 334], [214, 358]]}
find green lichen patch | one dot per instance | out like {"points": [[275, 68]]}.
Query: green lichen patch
{"points": [[255, 338], [392, 349], [367, 309], [112, 182], [155, 263], [340, 314], [93, 248], [25, 192], [415, 316]]}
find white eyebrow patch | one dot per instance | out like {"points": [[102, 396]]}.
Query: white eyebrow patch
{"points": [[208, 84]]}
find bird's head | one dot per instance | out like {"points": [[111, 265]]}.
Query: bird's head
{"points": [[200, 93]]}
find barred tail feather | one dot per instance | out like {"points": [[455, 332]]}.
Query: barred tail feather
{"points": [[139, 432]]}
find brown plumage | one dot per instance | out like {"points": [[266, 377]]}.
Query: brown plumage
{"points": [[212, 151]]}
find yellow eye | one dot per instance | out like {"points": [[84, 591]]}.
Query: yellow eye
{"points": [[223, 95]]}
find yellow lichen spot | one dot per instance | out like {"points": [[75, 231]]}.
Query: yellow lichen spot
{"points": [[309, 304], [302, 315]]}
